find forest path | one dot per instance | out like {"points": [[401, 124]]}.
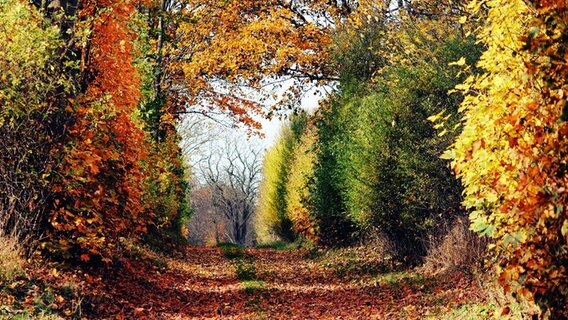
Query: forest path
{"points": [[215, 283]]}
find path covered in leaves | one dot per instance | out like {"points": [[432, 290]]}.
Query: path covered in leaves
{"points": [[204, 283]]}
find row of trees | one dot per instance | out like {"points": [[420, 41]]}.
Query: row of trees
{"points": [[482, 85], [91, 92], [82, 165], [368, 164]]}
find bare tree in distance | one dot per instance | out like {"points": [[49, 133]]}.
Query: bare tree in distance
{"points": [[233, 175]]}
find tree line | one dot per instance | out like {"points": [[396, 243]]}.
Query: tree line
{"points": [[441, 111]]}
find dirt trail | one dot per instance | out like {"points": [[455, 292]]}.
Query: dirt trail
{"points": [[202, 283]]}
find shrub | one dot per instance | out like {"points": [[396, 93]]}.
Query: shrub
{"points": [[30, 121], [458, 248], [511, 154], [11, 262]]}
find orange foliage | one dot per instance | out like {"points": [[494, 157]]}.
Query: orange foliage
{"points": [[223, 49], [99, 197]]}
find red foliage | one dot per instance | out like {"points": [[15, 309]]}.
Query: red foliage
{"points": [[99, 197]]}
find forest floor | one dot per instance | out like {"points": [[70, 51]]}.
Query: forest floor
{"points": [[232, 283], [235, 283]]}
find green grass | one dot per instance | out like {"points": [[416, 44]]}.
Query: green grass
{"points": [[397, 278], [280, 245], [232, 251], [229, 245], [252, 286], [245, 270]]}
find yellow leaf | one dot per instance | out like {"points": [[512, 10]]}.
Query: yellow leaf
{"points": [[564, 229], [436, 116], [460, 62]]}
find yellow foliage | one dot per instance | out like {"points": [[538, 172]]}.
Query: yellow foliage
{"points": [[512, 151], [271, 194], [301, 168]]}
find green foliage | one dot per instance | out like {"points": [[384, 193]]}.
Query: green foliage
{"points": [[166, 190], [378, 166], [325, 199], [31, 123], [27, 48], [272, 215], [358, 52], [280, 245]]}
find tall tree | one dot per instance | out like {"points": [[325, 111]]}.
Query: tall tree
{"points": [[233, 177], [511, 155]]}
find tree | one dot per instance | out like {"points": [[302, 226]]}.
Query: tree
{"points": [[273, 221], [220, 55], [233, 177], [511, 155], [297, 184], [31, 124]]}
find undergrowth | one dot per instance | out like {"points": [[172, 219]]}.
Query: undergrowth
{"points": [[356, 261], [244, 267], [281, 245], [11, 261]]}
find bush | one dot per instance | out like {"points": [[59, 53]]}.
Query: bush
{"points": [[11, 261], [30, 121], [511, 154], [458, 248]]}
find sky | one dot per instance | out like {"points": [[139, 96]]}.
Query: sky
{"points": [[202, 137], [271, 128]]}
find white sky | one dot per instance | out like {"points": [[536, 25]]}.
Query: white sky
{"points": [[202, 137], [271, 128]]}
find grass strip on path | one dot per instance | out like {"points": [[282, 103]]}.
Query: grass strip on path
{"points": [[244, 267]]}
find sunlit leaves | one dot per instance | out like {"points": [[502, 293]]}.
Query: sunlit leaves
{"points": [[224, 50], [510, 155], [99, 197]]}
